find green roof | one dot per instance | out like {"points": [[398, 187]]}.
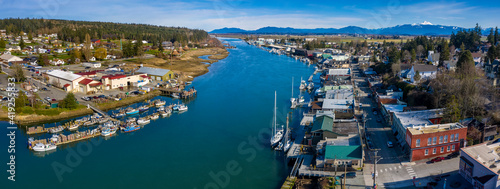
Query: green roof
{"points": [[325, 56], [324, 123], [343, 152]]}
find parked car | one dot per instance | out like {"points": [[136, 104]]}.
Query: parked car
{"points": [[452, 155], [45, 89], [389, 144], [102, 96], [437, 159], [348, 175]]}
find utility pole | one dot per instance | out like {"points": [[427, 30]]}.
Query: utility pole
{"points": [[336, 165], [375, 160], [345, 172]]}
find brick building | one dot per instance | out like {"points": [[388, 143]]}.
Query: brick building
{"points": [[434, 140]]}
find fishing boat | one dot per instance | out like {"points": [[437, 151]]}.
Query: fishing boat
{"points": [[109, 124], [166, 112], [131, 120], [161, 108], [180, 107], [73, 126], [103, 120], [155, 116], [301, 99], [159, 103], [131, 111], [108, 131], [56, 129], [143, 108], [39, 147], [54, 138], [277, 134], [130, 128], [175, 95], [143, 121], [303, 84], [310, 86]]}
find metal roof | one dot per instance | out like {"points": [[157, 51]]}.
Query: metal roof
{"points": [[343, 152], [153, 71], [64, 75]]}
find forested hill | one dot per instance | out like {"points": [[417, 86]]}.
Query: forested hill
{"points": [[75, 31]]}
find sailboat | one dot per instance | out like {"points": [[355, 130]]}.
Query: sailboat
{"points": [[277, 135], [303, 84], [292, 100], [288, 140]]}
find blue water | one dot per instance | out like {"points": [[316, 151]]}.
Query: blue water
{"points": [[209, 146]]}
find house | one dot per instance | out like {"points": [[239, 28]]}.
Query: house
{"points": [[41, 50], [478, 57], [56, 62], [433, 57], [7, 57], [479, 165], [112, 57], [403, 120], [58, 50], [342, 73], [429, 141], [92, 64], [488, 132], [425, 71], [339, 153], [65, 80], [322, 128], [492, 70], [157, 74], [89, 86], [114, 81], [450, 64]]}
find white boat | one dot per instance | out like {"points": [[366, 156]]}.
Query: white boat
{"points": [[56, 129], [310, 86], [292, 100], [303, 84], [166, 112], [279, 146], [73, 126], [301, 99], [288, 140], [143, 121], [161, 108], [54, 138], [39, 147], [277, 135], [131, 119], [159, 103], [180, 107], [131, 111], [155, 116], [108, 131], [175, 95]]}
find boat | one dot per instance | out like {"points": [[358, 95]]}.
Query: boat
{"points": [[143, 108], [39, 147], [103, 120], [303, 84], [109, 124], [56, 129], [161, 108], [119, 114], [131, 111], [166, 112], [180, 107], [131, 119], [130, 128], [292, 100], [288, 140], [175, 95], [108, 131], [143, 121], [279, 146], [310, 86], [159, 103], [301, 99], [155, 116], [73, 126], [277, 135], [54, 138]]}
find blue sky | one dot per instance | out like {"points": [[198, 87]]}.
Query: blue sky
{"points": [[246, 14]]}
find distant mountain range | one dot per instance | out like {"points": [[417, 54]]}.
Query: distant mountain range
{"points": [[425, 28]]}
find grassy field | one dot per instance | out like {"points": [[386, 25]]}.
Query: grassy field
{"points": [[127, 101]]}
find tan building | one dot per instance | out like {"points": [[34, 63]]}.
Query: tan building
{"points": [[89, 86], [121, 80], [65, 80]]}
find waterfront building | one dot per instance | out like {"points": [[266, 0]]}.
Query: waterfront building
{"points": [[157, 74], [113, 81], [337, 153], [65, 80]]}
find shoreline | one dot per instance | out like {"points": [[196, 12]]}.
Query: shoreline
{"points": [[34, 119]]}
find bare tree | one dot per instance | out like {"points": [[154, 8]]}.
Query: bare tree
{"points": [[420, 51], [406, 56]]}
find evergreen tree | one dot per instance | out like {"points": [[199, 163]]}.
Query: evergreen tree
{"points": [[465, 64], [69, 102], [445, 52], [2, 43], [491, 37], [496, 37], [417, 76], [138, 47], [22, 44], [413, 55], [160, 48], [87, 52], [21, 101], [128, 50], [492, 53], [30, 36], [18, 73]]}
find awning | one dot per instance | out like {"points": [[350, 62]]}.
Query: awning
{"points": [[67, 85]]}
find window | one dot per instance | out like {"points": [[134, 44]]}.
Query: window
{"points": [[448, 148], [451, 138], [418, 143], [442, 149], [429, 141], [426, 151], [445, 138], [434, 140], [452, 147], [456, 137], [440, 139], [434, 151]]}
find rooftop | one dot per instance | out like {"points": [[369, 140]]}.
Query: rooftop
{"points": [[418, 118], [485, 154], [345, 94], [394, 108], [345, 128], [323, 123], [434, 128], [339, 71], [424, 68], [343, 152], [153, 71], [338, 104], [64, 75]]}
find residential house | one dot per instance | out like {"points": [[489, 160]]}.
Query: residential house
{"points": [[56, 62], [157, 74], [433, 57], [429, 141], [478, 58], [492, 70], [479, 165], [488, 132], [450, 64], [425, 71], [7, 57]]}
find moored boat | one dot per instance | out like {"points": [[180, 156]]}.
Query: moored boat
{"points": [[131, 111], [56, 129], [155, 116], [108, 131], [39, 147], [159, 103], [143, 121], [130, 128], [180, 107], [143, 108]]}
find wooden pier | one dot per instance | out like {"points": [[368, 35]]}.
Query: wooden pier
{"points": [[182, 93], [37, 130]]}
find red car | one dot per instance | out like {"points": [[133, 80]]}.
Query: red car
{"points": [[438, 159]]}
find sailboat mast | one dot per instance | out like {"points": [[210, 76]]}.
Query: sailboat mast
{"points": [[292, 87], [274, 118]]}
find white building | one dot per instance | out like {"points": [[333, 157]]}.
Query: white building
{"points": [[56, 62], [92, 64], [425, 71], [479, 165], [7, 57], [66, 80]]}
